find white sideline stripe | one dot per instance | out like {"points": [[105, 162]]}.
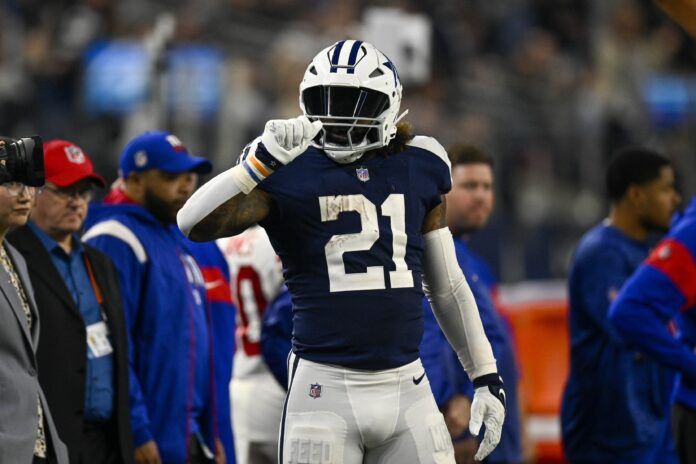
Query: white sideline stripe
{"points": [[543, 428], [116, 229], [531, 291]]}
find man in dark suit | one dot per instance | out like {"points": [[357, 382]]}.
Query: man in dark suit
{"points": [[27, 432], [82, 351]]}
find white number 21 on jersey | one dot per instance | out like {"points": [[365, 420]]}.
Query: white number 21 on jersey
{"points": [[373, 278]]}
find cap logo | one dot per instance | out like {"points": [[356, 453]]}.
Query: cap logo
{"points": [[140, 159], [175, 143], [75, 154]]}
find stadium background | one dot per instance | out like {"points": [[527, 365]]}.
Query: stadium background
{"points": [[549, 87]]}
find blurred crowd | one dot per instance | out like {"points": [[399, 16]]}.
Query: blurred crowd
{"points": [[550, 88]]}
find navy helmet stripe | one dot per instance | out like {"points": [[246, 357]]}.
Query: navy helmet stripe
{"points": [[336, 55], [353, 55], [391, 66]]}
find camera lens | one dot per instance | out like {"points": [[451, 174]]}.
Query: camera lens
{"points": [[22, 161]]}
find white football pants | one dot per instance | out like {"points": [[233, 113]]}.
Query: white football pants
{"points": [[257, 403], [335, 415]]}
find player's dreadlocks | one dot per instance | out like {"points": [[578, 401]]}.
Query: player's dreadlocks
{"points": [[404, 134]]}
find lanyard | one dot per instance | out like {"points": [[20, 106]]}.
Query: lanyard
{"points": [[95, 286]]}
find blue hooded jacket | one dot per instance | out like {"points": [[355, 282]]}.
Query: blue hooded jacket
{"points": [[664, 288], [169, 346]]}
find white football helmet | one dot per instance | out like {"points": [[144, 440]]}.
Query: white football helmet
{"points": [[354, 90]]}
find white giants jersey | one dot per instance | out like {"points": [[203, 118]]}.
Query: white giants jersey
{"points": [[256, 276]]}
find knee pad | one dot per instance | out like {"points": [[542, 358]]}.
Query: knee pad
{"points": [[314, 438], [430, 433]]}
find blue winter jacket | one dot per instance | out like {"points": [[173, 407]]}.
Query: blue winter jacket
{"points": [[664, 288], [222, 313], [616, 402], [169, 351]]}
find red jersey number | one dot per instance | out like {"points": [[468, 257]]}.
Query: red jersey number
{"points": [[251, 304]]}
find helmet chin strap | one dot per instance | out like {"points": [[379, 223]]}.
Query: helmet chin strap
{"points": [[343, 157], [401, 116], [347, 157]]}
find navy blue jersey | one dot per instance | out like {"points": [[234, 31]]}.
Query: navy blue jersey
{"points": [[616, 401], [349, 237]]}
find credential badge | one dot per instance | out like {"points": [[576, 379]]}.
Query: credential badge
{"points": [[363, 174]]}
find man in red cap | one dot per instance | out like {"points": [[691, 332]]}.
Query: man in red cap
{"points": [[82, 350]]}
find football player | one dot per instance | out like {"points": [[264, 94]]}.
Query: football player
{"points": [[255, 396], [353, 205]]}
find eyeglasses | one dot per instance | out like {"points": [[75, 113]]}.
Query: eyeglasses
{"points": [[16, 189], [68, 193]]}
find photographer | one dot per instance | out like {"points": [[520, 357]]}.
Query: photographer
{"points": [[27, 432]]}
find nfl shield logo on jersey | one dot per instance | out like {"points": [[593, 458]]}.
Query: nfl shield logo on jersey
{"points": [[315, 390], [363, 174]]}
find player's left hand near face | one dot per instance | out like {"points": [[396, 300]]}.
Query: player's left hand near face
{"points": [[285, 139], [488, 408]]}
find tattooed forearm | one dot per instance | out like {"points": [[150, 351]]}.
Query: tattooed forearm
{"points": [[233, 217], [247, 212], [436, 218]]}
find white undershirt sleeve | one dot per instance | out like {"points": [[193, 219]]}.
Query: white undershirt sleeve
{"points": [[454, 305]]}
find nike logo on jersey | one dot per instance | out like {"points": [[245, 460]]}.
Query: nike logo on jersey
{"points": [[418, 380], [213, 284]]}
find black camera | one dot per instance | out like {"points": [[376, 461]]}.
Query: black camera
{"points": [[21, 160]]}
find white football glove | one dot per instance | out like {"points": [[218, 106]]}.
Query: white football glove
{"points": [[285, 139], [487, 408]]}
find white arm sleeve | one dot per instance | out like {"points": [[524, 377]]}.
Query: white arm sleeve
{"points": [[211, 195], [453, 304]]}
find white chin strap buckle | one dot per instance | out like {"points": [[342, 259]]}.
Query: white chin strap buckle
{"points": [[343, 157]]}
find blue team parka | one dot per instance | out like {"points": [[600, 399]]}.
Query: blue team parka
{"points": [[615, 405], [171, 385], [664, 289], [222, 312]]}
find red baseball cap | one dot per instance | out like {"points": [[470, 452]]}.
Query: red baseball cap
{"points": [[65, 164]]}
